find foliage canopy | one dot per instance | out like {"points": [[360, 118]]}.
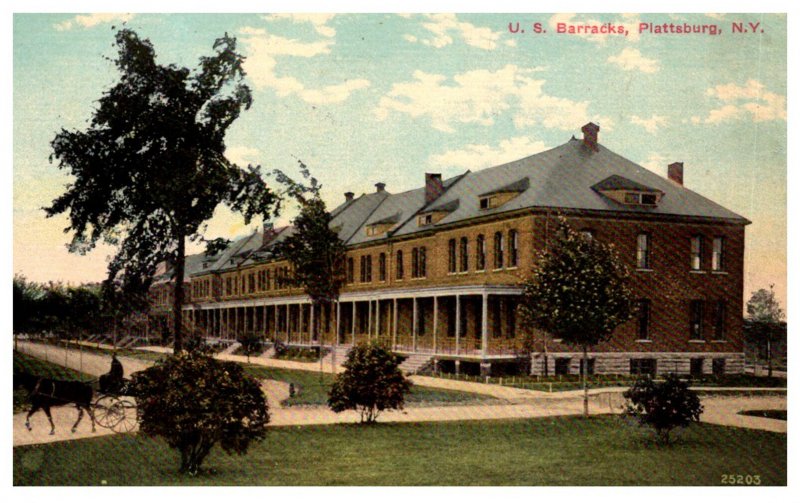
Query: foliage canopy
{"points": [[151, 167], [194, 402], [663, 405], [370, 383]]}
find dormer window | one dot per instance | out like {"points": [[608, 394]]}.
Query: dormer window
{"points": [[382, 226], [426, 219], [628, 192], [502, 195]]}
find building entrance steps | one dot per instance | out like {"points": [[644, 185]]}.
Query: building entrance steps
{"points": [[414, 363], [231, 349]]}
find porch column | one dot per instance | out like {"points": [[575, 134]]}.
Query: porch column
{"points": [[369, 320], [275, 326], [377, 318], [311, 322], [300, 317], [435, 322], [338, 322], [353, 324], [414, 325], [394, 323], [484, 325], [458, 324]]}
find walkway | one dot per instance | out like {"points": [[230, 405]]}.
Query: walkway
{"points": [[520, 403]]}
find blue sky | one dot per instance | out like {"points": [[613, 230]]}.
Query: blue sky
{"points": [[384, 98]]}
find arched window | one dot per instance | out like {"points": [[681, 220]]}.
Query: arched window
{"points": [[399, 265], [451, 255], [464, 258], [499, 250], [480, 249], [513, 248]]}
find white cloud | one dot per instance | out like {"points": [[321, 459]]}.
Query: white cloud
{"points": [[750, 99], [91, 20], [631, 59], [242, 155], [444, 27], [479, 96], [650, 125], [629, 22], [263, 51], [483, 156], [318, 21], [656, 163]]}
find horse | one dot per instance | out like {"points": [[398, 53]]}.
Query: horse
{"points": [[45, 393]]}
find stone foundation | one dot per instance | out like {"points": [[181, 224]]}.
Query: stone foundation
{"points": [[620, 363]]}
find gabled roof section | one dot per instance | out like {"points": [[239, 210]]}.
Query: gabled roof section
{"points": [[446, 207], [351, 218], [391, 219]]}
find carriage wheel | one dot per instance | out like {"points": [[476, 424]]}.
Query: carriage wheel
{"points": [[106, 411], [127, 414]]}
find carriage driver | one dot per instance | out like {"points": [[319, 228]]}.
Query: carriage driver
{"points": [[113, 380]]}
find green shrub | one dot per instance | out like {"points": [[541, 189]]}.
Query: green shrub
{"points": [[663, 405], [370, 383], [194, 402]]}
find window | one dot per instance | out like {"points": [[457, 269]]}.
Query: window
{"points": [[562, 366], [366, 268], [499, 249], [696, 367], [697, 253], [463, 263], [414, 263], [513, 248], [631, 198], [399, 265], [451, 255], [717, 254], [252, 282], [425, 219], [644, 319], [422, 263], [719, 321], [696, 320], [643, 251], [649, 199], [350, 270], [480, 262], [486, 203], [268, 279], [718, 366], [642, 366], [382, 267]]}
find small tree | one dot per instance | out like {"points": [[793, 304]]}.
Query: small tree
{"points": [[763, 323], [577, 293], [370, 383], [251, 344], [194, 402], [314, 249], [664, 406]]}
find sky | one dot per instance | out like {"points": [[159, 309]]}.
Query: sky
{"points": [[385, 98]]}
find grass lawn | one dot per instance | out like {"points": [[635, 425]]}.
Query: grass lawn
{"points": [[771, 414], [31, 365], [604, 450], [311, 391]]}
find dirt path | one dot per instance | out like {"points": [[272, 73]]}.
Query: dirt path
{"points": [[520, 403]]}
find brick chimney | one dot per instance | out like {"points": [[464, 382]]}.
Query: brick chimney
{"points": [[675, 172], [348, 196], [433, 187], [590, 131], [380, 186]]}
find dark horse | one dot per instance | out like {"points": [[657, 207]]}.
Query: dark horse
{"points": [[45, 393]]}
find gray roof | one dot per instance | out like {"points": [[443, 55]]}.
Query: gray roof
{"points": [[565, 177]]}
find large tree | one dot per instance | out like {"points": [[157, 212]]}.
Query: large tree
{"points": [[150, 169], [577, 292], [314, 249], [763, 324]]}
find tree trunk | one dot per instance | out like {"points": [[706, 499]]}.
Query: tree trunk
{"points": [[585, 367], [769, 356], [177, 305]]}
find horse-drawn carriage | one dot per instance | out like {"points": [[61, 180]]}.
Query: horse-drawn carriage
{"points": [[112, 408]]}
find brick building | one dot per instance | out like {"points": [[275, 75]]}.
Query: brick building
{"points": [[435, 272]]}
